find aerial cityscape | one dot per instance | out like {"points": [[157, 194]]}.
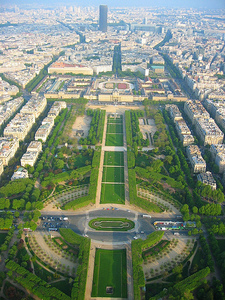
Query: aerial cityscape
{"points": [[112, 154]]}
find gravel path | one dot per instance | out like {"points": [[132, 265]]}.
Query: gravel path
{"points": [[172, 255]]}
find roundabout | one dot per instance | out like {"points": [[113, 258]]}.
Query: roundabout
{"points": [[112, 224]]}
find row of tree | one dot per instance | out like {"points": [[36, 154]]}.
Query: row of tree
{"points": [[90, 198], [206, 252], [33, 283], [96, 128], [35, 81], [78, 290]]}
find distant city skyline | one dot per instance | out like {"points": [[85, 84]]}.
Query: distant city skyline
{"points": [[216, 4]]}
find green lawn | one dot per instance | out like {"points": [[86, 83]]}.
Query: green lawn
{"points": [[198, 262], [2, 237], [113, 174], [113, 158], [114, 139], [110, 271], [115, 128], [42, 272], [113, 193], [111, 224], [117, 120], [64, 286]]}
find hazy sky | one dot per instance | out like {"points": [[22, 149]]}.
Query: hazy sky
{"points": [[118, 3]]}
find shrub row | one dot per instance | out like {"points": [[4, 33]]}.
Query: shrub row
{"points": [[78, 290], [90, 198], [137, 247], [34, 284]]}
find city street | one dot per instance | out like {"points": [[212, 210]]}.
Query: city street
{"points": [[78, 222]]}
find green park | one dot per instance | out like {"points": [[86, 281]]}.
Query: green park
{"points": [[110, 272]]}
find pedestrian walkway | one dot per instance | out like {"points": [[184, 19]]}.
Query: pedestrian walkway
{"points": [[90, 274], [130, 286], [96, 244]]}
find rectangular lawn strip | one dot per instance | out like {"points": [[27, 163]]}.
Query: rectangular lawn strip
{"points": [[119, 119], [113, 174], [110, 271], [112, 193], [114, 139], [113, 158], [115, 128]]}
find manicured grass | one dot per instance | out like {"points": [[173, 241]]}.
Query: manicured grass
{"points": [[110, 271], [2, 237], [60, 242], [80, 160], [113, 193], [147, 205], [111, 224], [113, 174], [114, 139], [64, 286], [156, 249], [119, 119], [198, 261], [115, 128], [42, 273], [113, 158]]}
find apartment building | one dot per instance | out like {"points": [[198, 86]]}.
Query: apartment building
{"points": [[35, 105], [207, 179], [29, 158], [174, 112], [183, 130], [208, 131], [8, 148], [1, 167], [35, 146], [197, 162], [195, 110], [21, 173], [43, 132], [216, 149], [19, 126], [7, 109]]}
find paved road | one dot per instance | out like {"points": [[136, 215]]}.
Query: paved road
{"points": [[78, 222]]}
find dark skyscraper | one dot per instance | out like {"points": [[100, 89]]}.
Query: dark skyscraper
{"points": [[103, 10]]}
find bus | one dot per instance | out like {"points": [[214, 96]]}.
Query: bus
{"points": [[52, 229]]}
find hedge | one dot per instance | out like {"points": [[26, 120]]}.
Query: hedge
{"points": [[65, 176], [90, 198], [78, 290], [34, 284], [140, 202], [128, 128], [137, 247]]}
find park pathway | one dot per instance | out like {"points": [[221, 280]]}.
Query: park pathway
{"points": [[98, 193], [90, 274], [95, 244], [130, 286]]}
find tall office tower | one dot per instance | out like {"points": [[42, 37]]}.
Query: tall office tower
{"points": [[103, 10]]}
